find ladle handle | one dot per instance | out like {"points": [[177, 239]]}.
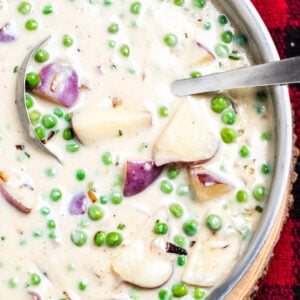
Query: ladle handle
{"points": [[274, 73]]}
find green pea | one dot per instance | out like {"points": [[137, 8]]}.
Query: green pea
{"points": [[160, 228], [199, 3], [32, 80], [107, 2], [24, 8], [222, 50], [173, 172], [219, 103], [58, 112], [163, 111], [227, 37], [55, 194], [260, 109], [100, 238], [244, 152], [29, 101], [180, 240], [80, 174], [179, 2], [183, 190], [228, 135], [48, 9], [107, 158], [68, 117], [31, 25], [49, 121], [229, 117], [170, 40], [135, 7], [50, 172], [45, 211], [41, 56], [190, 228], [35, 279], [241, 39], [259, 192], [176, 210], [195, 74], [95, 212], [266, 136], [73, 147], [12, 283], [241, 196], [261, 96], [68, 134], [67, 40], [78, 237], [199, 293], [82, 285], [111, 44], [116, 197], [114, 239], [121, 226], [222, 19], [34, 117], [51, 224], [103, 200], [179, 290], [164, 295], [207, 25], [181, 260], [234, 55], [125, 50], [40, 132], [265, 169], [166, 186], [113, 28], [52, 235], [214, 222], [259, 209]]}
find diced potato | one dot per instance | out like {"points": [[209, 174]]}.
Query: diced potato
{"points": [[207, 185], [190, 137], [92, 125]]}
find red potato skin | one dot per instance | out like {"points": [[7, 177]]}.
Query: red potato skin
{"points": [[207, 186], [34, 295], [139, 175], [14, 202], [206, 49], [6, 34], [78, 204], [59, 84]]}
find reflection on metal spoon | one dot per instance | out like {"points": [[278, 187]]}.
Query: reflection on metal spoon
{"points": [[21, 103], [273, 73]]}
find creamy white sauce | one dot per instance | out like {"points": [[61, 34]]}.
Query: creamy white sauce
{"points": [[140, 81]]}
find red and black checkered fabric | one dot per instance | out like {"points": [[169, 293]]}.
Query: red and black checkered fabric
{"points": [[282, 282]]}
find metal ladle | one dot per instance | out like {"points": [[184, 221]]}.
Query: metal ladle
{"points": [[21, 102], [273, 73]]}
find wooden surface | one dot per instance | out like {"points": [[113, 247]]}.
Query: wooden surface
{"points": [[246, 288]]}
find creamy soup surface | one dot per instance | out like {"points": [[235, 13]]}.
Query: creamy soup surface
{"points": [[156, 196]]}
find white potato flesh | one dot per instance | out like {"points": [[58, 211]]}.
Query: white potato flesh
{"points": [[207, 185], [212, 257], [190, 136], [92, 125], [144, 262], [138, 265]]}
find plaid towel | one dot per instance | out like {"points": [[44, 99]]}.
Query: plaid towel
{"points": [[282, 282]]}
